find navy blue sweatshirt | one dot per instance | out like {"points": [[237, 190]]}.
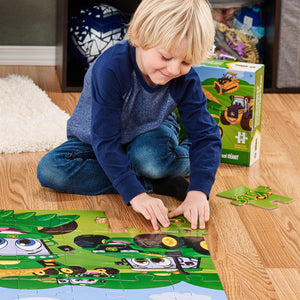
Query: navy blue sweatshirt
{"points": [[116, 105]]}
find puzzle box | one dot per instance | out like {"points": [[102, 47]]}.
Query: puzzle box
{"points": [[234, 91]]}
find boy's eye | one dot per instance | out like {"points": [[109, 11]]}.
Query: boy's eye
{"points": [[166, 58]]}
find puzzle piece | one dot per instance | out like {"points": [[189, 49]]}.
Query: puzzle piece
{"points": [[182, 227], [260, 197]]}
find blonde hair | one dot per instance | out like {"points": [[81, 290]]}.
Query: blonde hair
{"points": [[166, 23]]}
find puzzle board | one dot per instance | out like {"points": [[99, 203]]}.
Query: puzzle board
{"points": [[64, 255]]}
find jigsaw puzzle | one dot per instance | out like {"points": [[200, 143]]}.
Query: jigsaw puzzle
{"points": [[261, 197], [62, 255]]}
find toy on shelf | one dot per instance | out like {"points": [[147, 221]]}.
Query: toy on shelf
{"points": [[93, 30], [237, 44], [239, 34]]}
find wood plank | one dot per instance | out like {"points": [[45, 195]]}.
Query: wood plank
{"points": [[252, 277], [286, 221], [236, 238], [227, 276], [265, 237], [286, 282]]}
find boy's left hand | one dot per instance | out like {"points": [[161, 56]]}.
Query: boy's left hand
{"points": [[195, 208]]}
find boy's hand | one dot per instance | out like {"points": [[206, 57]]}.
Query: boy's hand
{"points": [[195, 208], [152, 209]]}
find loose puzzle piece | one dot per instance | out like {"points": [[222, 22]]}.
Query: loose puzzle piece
{"points": [[71, 254], [261, 197]]}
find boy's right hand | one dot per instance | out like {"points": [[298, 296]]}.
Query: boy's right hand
{"points": [[152, 209]]}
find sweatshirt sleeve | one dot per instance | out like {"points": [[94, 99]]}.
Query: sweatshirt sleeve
{"points": [[204, 134], [106, 132]]}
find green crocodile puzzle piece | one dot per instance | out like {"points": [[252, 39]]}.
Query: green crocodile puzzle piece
{"points": [[261, 197]]}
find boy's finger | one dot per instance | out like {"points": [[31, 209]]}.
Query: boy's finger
{"points": [[206, 213], [176, 212], [154, 224], [158, 216], [161, 214], [153, 219], [194, 219], [201, 222], [146, 215], [163, 220], [202, 217]]}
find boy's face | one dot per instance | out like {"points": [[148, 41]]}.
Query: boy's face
{"points": [[159, 66]]}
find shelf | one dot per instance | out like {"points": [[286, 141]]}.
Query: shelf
{"points": [[71, 73]]}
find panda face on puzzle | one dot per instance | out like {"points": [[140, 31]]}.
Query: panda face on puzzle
{"points": [[23, 246]]}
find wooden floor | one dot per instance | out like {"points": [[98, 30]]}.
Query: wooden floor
{"points": [[256, 252]]}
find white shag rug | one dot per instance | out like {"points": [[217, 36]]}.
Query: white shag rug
{"points": [[29, 120]]}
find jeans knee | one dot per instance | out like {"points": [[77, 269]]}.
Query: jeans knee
{"points": [[151, 170], [48, 175], [146, 162]]}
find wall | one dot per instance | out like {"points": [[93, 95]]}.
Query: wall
{"points": [[28, 22], [289, 47]]}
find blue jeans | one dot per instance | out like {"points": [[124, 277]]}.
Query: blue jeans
{"points": [[73, 168]]}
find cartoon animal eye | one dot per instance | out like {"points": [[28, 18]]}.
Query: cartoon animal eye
{"points": [[77, 281], [161, 261], [28, 244], [3, 243], [140, 261]]}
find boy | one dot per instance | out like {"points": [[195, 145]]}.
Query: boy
{"points": [[122, 135]]}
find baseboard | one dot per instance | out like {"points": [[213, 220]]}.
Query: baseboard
{"points": [[27, 55]]}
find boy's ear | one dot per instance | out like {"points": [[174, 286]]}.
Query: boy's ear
{"points": [[136, 42]]}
